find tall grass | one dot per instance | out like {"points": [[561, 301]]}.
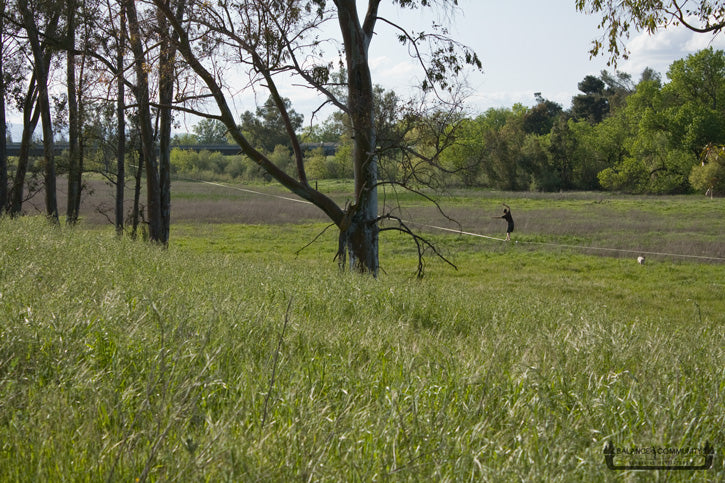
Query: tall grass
{"points": [[124, 362]]}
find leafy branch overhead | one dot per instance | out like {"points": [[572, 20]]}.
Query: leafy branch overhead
{"points": [[621, 18]]}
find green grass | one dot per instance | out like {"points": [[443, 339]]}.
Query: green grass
{"points": [[121, 361]]}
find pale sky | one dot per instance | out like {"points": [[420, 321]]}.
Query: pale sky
{"points": [[529, 46], [526, 46]]}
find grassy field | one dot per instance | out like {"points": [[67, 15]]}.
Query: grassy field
{"points": [[230, 357]]}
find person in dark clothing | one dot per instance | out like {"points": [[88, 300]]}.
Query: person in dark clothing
{"points": [[507, 216]]}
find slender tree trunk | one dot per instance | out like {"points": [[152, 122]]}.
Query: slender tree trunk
{"points": [[166, 97], [147, 136], [359, 232], [49, 178], [31, 115], [121, 117], [74, 172], [81, 144], [3, 125], [137, 196], [41, 76]]}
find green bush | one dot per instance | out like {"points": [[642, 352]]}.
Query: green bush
{"points": [[710, 174]]}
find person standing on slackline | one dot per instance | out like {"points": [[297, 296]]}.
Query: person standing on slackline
{"points": [[509, 219]]}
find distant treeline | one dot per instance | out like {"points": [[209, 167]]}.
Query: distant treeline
{"points": [[652, 136], [648, 137]]}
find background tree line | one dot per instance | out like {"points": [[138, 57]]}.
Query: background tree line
{"points": [[649, 136], [123, 77], [646, 137]]}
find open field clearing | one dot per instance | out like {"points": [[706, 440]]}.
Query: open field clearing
{"points": [[231, 356], [613, 225]]}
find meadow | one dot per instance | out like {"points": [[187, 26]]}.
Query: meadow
{"points": [[241, 354]]}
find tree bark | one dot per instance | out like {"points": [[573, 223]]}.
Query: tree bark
{"points": [[74, 168], [121, 119], [3, 125], [40, 70], [147, 136], [359, 234]]}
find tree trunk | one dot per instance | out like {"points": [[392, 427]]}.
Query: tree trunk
{"points": [[74, 171], [51, 201], [166, 97], [31, 115], [135, 214], [40, 70], [359, 232], [147, 136], [121, 117], [3, 126], [166, 94]]}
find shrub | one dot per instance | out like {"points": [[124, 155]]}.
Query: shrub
{"points": [[710, 174]]}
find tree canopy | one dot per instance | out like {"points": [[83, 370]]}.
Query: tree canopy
{"points": [[267, 128]]}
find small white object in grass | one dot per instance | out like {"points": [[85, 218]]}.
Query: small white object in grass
{"points": [[640, 260]]}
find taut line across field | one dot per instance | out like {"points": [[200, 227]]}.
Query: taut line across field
{"points": [[468, 233]]}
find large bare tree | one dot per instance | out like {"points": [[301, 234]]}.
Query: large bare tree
{"points": [[265, 39]]}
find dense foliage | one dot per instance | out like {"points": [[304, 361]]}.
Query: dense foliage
{"points": [[643, 138], [652, 136]]}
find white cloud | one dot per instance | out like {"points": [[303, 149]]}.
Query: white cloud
{"points": [[704, 41], [659, 50], [481, 101]]}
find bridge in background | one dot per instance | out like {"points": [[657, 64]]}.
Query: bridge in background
{"points": [[13, 149]]}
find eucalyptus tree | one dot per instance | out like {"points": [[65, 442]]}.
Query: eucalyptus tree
{"points": [[22, 93], [37, 19], [268, 38], [105, 61], [167, 72], [46, 29], [141, 91], [80, 43], [41, 21], [120, 37], [27, 104], [85, 31], [74, 158], [3, 120]]}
